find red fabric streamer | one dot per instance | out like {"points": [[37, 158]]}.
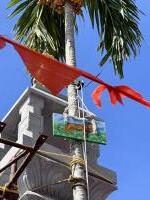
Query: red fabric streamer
{"points": [[2, 44], [115, 97], [56, 76], [116, 94], [96, 93]]}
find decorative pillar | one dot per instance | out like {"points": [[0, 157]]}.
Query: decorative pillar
{"points": [[31, 124]]}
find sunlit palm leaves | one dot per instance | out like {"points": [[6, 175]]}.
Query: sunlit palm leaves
{"points": [[116, 21], [39, 27], [117, 24]]}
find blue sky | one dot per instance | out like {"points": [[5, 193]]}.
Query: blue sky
{"points": [[128, 131]]}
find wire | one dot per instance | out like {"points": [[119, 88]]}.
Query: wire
{"points": [[79, 112], [58, 182], [85, 146], [49, 154], [54, 154], [90, 82], [84, 104]]}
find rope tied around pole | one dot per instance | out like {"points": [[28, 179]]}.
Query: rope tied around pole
{"points": [[77, 160], [5, 190], [77, 181]]}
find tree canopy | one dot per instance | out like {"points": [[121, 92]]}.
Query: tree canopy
{"points": [[41, 27]]}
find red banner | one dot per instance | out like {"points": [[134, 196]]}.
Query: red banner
{"points": [[56, 75]]}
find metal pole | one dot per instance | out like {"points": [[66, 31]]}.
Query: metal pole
{"points": [[14, 144], [13, 170], [13, 161], [38, 144]]}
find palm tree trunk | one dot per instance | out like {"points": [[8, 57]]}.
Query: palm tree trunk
{"points": [[79, 190]]}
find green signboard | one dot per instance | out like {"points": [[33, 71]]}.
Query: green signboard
{"points": [[73, 128]]}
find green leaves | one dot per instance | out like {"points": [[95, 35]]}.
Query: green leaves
{"points": [[39, 27], [117, 25], [13, 2]]}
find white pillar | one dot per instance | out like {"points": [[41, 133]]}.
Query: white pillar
{"points": [[31, 123]]}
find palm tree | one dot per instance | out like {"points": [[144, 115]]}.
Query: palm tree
{"points": [[116, 22], [47, 27]]}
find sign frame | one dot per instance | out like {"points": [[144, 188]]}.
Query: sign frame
{"points": [[72, 128]]}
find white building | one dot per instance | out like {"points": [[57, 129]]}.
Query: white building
{"points": [[30, 116]]}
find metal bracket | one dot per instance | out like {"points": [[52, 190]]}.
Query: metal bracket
{"points": [[2, 126], [10, 188]]}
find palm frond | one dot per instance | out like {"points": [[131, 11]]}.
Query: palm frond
{"points": [[117, 25], [39, 27]]}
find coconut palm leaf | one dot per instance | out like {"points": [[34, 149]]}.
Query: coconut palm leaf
{"points": [[39, 27], [117, 25], [115, 20]]}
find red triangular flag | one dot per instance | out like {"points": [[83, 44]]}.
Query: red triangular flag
{"points": [[56, 76]]}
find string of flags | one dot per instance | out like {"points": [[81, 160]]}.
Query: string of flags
{"points": [[49, 71]]}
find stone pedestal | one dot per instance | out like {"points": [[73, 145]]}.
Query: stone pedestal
{"points": [[34, 196], [31, 116]]}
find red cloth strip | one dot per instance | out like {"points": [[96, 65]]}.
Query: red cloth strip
{"points": [[56, 75]]}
